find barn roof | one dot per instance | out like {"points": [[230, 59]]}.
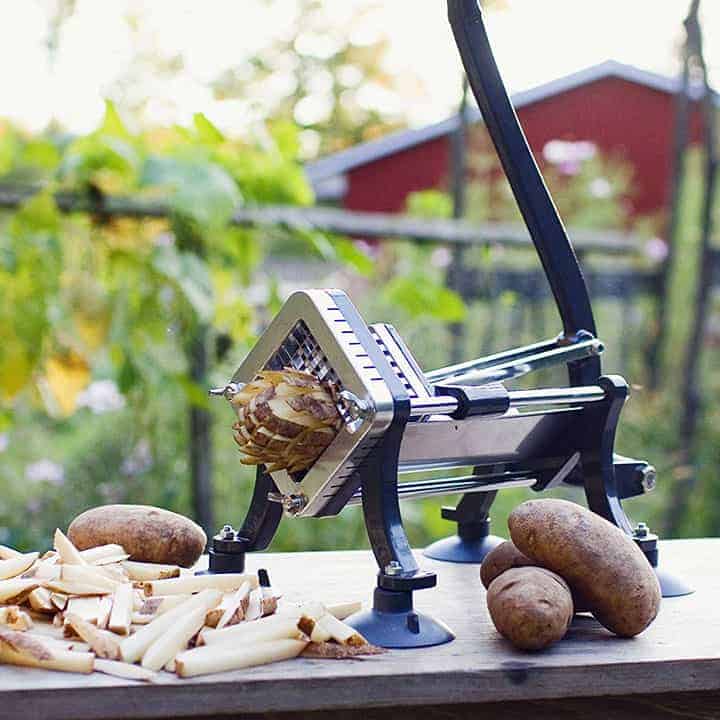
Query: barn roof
{"points": [[327, 173]]}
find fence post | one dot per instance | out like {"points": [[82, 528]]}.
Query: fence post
{"points": [[691, 393], [455, 275], [680, 141], [200, 439]]}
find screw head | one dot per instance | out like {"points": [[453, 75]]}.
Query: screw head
{"points": [[649, 478], [227, 533], [393, 568], [641, 530]]}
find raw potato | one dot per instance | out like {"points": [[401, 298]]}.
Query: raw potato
{"points": [[148, 534], [531, 607], [500, 559], [506, 556], [596, 558]]}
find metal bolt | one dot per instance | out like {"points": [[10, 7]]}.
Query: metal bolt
{"points": [[357, 408], [393, 568], [228, 391], [227, 533], [293, 504], [649, 478], [641, 530]]}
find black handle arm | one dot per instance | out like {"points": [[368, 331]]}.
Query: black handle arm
{"points": [[538, 210]]}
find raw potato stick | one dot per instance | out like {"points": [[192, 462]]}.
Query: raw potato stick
{"points": [[255, 605], [16, 589], [344, 610], [68, 553], [238, 604], [7, 552], [139, 571], [15, 618], [200, 662], [103, 643], [193, 583], [16, 566], [160, 604], [39, 600], [340, 632], [87, 575], [69, 587], [124, 670], [274, 627], [92, 555], [168, 645], [59, 600], [16, 648], [121, 613], [134, 647]]}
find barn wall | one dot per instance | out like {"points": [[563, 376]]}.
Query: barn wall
{"points": [[629, 121]]}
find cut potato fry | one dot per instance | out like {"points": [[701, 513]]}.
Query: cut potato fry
{"points": [[168, 645], [45, 570], [103, 643], [160, 604], [39, 600], [59, 600], [69, 554], [88, 575], [121, 614], [14, 618], [344, 610], [236, 607], [134, 646], [70, 587], [225, 582], [17, 565], [254, 608], [17, 648], [274, 627], [16, 590], [128, 671], [202, 661], [7, 552], [340, 632], [140, 571], [99, 553]]}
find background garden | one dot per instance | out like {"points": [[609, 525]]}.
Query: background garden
{"points": [[126, 290]]}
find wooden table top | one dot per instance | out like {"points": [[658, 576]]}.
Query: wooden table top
{"points": [[680, 652]]}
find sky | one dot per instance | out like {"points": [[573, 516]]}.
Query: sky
{"points": [[534, 40]]}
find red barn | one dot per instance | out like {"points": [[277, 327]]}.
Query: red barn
{"points": [[626, 112]]}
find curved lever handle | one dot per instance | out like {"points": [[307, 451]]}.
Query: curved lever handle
{"points": [[538, 210]]}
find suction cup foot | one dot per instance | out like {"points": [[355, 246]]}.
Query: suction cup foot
{"points": [[392, 623], [461, 549], [671, 585]]}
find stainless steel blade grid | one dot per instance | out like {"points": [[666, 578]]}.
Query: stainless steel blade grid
{"points": [[301, 351], [393, 364]]}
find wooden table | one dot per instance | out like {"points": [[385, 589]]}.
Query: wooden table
{"points": [[672, 670]]}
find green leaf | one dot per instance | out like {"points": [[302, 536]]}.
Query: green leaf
{"points": [[112, 123], [199, 189], [285, 134], [206, 132], [351, 255], [190, 275], [419, 296], [38, 214]]}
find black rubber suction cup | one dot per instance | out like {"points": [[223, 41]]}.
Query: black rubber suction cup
{"points": [[393, 623], [471, 545]]}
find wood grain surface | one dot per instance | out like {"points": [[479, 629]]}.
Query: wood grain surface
{"points": [[679, 653]]}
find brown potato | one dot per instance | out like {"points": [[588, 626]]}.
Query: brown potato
{"points": [[502, 558], [530, 606], [148, 534], [597, 559]]}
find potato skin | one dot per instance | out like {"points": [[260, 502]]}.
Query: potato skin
{"points": [[502, 558], [530, 606], [147, 533], [598, 560]]}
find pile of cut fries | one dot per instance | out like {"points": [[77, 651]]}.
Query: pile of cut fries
{"points": [[97, 610]]}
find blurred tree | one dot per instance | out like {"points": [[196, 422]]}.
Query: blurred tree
{"points": [[336, 88]]}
